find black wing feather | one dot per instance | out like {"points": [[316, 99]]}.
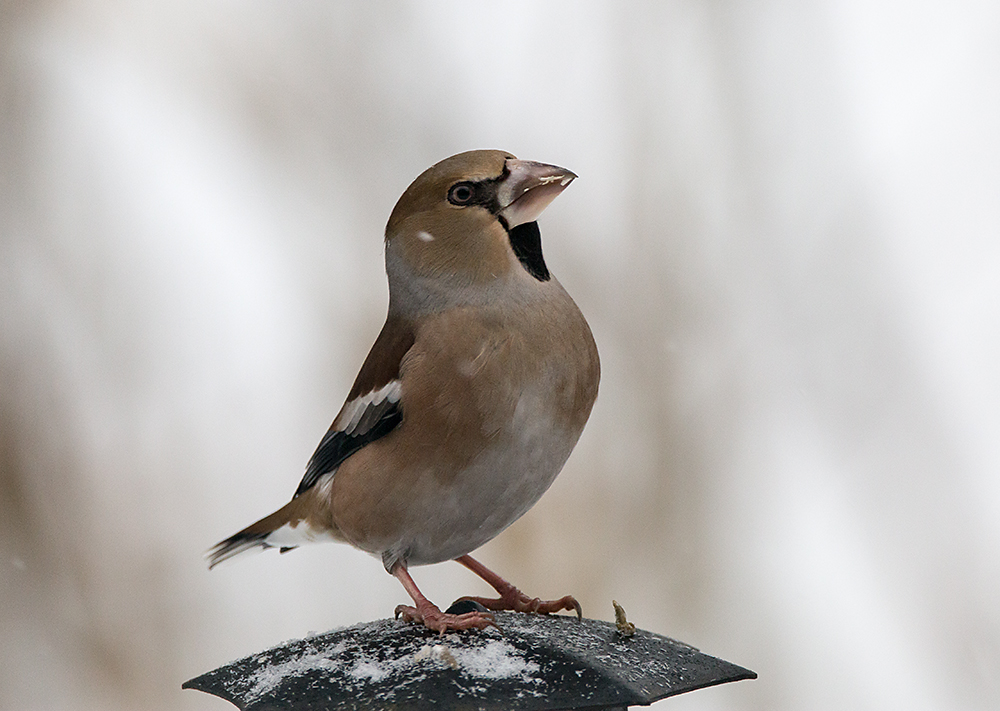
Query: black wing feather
{"points": [[338, 445]]}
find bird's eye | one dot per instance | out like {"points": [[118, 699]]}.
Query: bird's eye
{"points": [[461, 194]]}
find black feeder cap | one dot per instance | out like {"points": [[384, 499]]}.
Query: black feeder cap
{"points": [[532, 662]]}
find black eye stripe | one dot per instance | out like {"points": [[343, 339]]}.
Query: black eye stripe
{"points": [[484, 193]]}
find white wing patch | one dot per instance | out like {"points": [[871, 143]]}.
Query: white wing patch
{"points": [[363, 411]]}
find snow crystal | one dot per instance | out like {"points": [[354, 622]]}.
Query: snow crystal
{"points": [[485, 657], [268, 677], [495, 660], [369, 670]]}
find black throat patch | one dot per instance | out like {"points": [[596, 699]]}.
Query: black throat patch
{"points": [[526, 240]]}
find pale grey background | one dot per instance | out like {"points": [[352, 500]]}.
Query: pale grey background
{"points": [[785, 236]]}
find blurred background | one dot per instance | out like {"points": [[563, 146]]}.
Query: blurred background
{"points": [[785, 235]]}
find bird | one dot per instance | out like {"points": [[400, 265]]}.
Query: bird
{"points": [[470, 401]]}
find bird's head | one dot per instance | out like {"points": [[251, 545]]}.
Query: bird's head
{"points": [[467, 224]]}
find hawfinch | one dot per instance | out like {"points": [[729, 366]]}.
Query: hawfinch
{"points": [[471, 399]]}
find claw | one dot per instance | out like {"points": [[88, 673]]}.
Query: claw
{"points": [[513, 599], [441, 622], [517, 601]]}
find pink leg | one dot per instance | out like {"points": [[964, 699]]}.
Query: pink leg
{"points": [[513, 599], [429, 614]]}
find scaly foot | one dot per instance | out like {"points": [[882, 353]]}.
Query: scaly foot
{"points": [[517, 601], [511, 598], [430, 616]]}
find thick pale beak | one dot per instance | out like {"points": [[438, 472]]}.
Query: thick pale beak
{"points": [[529, 188]]}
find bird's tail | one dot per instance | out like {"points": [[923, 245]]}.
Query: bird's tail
{"points": [[284, 529]]}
